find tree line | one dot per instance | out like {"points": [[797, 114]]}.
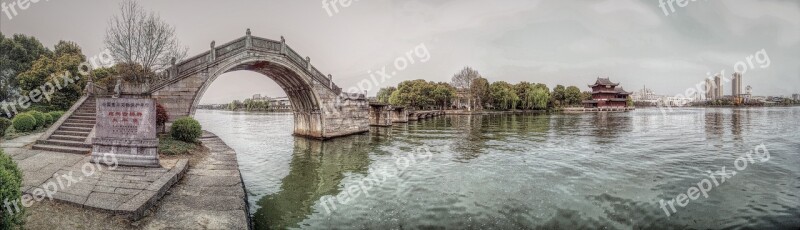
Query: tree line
{"points": [[469, 90]]}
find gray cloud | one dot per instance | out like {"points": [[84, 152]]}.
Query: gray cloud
{"points": [[552, 42]]}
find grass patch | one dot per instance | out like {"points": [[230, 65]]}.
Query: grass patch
{"points": [[12, 133], [171, 147]]}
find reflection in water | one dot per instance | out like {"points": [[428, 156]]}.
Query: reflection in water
{"points": [[570, 171], [316, 170]]}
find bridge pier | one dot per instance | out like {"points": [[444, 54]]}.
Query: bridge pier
{"points": [[399, 115], [379, 115]]}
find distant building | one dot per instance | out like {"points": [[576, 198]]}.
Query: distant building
{"points": [[606, 94], [718, 87], [277, 103], [709, 89], [462, 100], [280, 103], [644, 95], [736, 84], [796, 97], [736, 88]]}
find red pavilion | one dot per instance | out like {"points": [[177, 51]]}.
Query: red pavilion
{"points": [[606, 94]]}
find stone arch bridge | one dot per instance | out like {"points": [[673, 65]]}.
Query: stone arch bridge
{"points": [[321, 110]]}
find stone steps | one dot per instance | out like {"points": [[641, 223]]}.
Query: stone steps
{"points": [[75, 129], [68, 138], [76, 121], [79, 117], [62, 149], [85, 114], [78, 144], [78, 125], [71, 135], [72, 132]]}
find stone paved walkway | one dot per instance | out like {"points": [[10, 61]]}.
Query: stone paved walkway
{"points": [[73, 179], [210, 196]]}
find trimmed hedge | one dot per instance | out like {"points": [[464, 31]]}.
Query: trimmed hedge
{"points": [[48, 120], [24, 122], [56, 115], [39, 116], [10, 183], [186, 129], [4, 124]]}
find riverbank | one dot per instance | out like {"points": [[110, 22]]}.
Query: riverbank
{"points": [[210, 195]]}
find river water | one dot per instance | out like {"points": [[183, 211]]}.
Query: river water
{"points": [[569, 171]]}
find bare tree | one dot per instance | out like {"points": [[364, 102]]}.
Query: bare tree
{"points": [[463, 80], [137, 37]]}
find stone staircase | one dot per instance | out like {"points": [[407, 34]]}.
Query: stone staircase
{"points": [[71, 136]]}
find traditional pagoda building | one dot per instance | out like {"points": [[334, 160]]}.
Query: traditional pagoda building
{"points": [[606, 94]]}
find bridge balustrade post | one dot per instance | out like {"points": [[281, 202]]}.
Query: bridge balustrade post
{"points": [[248, 41], [173, 71], [213, 52], [308, 64], [283, 45], [330, 81]]}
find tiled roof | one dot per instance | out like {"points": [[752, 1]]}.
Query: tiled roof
{"points": [[603, 81]]}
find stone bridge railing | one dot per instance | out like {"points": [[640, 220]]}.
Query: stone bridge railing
{"points": [[218, 54]]}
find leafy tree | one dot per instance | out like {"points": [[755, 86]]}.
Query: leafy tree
{"points": [[105, 76], [503, 95], [541, 96], [524, 92], [385, 93], [254, 105], [479, 89], [414, 93], [235, 105], [17, 54], [629, 101], [59, 71], [586, 95], [442, 94], [558, 97], [573, 96]]}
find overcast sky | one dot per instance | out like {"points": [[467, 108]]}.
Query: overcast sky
{"points": [[551, 42]]}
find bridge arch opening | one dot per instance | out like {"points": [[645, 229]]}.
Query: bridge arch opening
{"points": [[303, 99]]}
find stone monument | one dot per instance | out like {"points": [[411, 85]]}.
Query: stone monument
{"points": [[126, 131]]}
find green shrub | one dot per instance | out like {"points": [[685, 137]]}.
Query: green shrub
{"points": [[39, 116], [48, 120], [24, 122], [186, 129], [10, 183], [56, 115], [4, 124]]}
